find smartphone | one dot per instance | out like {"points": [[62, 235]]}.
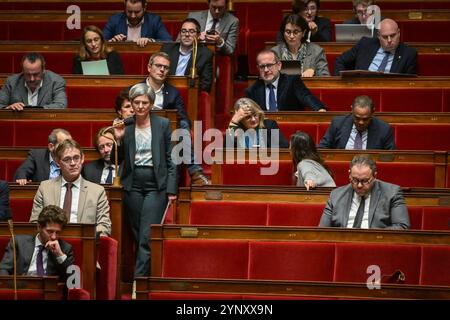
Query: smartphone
{"points": [[211, 32]]}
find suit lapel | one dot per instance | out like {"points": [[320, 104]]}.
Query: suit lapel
{"points": [[81, 200], [46, 166], [203, 18], [28, 251], [396, 61], [345, 132], [132, 145], [348, 205], [372, 52], [374, 197], [281, 90], [155, 127], [56, 190], [42, 91]]}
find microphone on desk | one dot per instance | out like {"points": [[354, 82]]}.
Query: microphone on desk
{"points": [[13, 241], [193, 71], [123, 123]]}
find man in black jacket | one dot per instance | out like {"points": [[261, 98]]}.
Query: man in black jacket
{"points": [[102, 170], [359, 130], [275, 91], [181, 55], [383, 54], [42, 254], [40, 164]]}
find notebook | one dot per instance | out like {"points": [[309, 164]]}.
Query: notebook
{"points": [[291, 67], [95, 68], [352, 32]]}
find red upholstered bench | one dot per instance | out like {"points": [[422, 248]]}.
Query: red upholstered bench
{"points": [[435, 266], [423, 137], [243, 174], [192, 296], [352, 260], [301, 261], [436, 218], [227, 259], [228, 213], [294, 214]]}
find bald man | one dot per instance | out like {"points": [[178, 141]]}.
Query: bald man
{"points": [[383, 54]]}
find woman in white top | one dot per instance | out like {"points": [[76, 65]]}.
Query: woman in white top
{"points": [[311, 171]]}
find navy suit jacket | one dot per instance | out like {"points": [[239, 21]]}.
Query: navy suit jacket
{"points": [[165, 169], [360, 56], [173, 100], [93, 171], [379, 135], [4, 201], [204, 63], [25, 244], [36, 166], [153, 27], [292, 94]]}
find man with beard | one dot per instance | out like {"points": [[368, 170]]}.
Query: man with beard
{"points": [[134, 24]]}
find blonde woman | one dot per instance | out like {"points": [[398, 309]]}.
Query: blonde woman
{"points": [[255, 130]]}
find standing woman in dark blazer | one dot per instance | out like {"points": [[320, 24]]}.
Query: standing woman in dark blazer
{"points": [[149, 175], [93, 47]]}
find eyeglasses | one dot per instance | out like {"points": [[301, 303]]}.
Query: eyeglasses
{"points": [[292, 32], [267, 65], [190, 31], [161, 66], [364, 182], [68, 160]]}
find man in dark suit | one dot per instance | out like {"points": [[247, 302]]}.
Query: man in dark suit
{"points": [[102, 170], [180, 54], [35, 86], [168, 97], [385, 54], [42, 254], [5, 212], [134, 24], [275, 91], [359, 130], [365, 202], [41, 163]]}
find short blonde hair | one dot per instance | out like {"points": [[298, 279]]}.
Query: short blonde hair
{"points": [[254, 108]]}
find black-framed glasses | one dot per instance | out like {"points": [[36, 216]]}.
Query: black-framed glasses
{"points": [[292, 32], [267, 65], [364, 182], [188, 31]]}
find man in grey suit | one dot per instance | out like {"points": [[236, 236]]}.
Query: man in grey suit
{"points": [[82, 201], [366, 202], [218, 26], [35, 86], [42, 254], [359, 130], [40, 164]]}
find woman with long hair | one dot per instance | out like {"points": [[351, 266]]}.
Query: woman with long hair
{"points": [[93, 48], [311, 170]]}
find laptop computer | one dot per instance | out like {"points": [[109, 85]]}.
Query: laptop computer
{"points": [[95, 68], [291, 67], [352, 32]]}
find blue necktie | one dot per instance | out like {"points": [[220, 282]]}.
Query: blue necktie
{"points": [[109, 177], [272, 101], [384, 62], [40, 262]]}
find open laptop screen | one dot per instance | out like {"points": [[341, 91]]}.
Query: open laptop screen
{"points": [[352, 32]]}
